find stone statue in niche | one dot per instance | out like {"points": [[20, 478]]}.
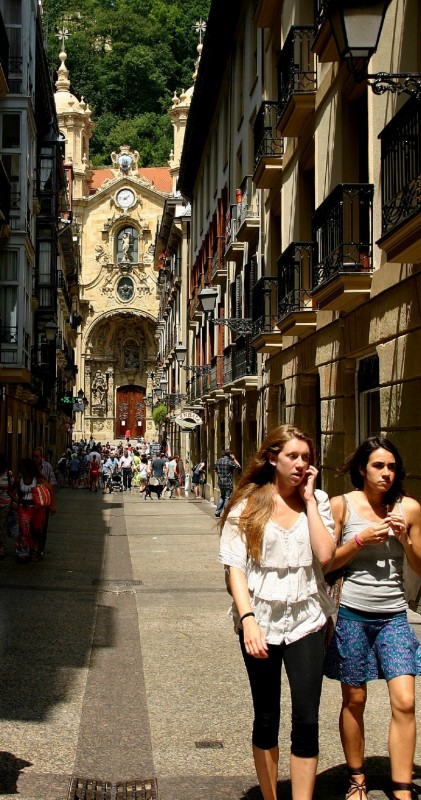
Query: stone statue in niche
{"points": [[126, 246], [131, 356], [99, 390]]}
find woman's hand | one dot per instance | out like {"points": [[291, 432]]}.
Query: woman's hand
{"points": [[376, 533], [399, 528], [254, 641], [308, 485]]}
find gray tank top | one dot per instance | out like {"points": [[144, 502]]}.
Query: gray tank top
{"points": [[373, 580]]}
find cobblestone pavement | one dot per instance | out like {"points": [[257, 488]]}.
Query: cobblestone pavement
{"points": [[118, 662]]}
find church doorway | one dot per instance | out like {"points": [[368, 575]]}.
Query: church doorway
{"points": [[131, 411]]}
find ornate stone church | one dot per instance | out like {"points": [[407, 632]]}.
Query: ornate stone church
{"points": [[116, 211]]}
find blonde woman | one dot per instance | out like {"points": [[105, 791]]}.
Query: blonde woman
{"points": [[277, 532]]}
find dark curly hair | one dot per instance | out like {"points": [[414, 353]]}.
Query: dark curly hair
{"points": [[359, 461]]}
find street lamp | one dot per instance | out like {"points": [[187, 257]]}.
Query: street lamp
{"points": [[356, 28], [180, 353], [50, 330], [207, 298]]}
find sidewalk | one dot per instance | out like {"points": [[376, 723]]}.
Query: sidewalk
{"points": [[118, 663]]}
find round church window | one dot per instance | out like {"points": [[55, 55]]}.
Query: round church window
{"points": [[125, 289]]}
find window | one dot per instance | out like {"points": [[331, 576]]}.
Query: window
{"points": [[45, 275], [368, 397], [9, 260], [10, 131]]}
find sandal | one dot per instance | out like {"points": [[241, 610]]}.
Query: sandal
{"points": [[408, 787], [356, 789]]}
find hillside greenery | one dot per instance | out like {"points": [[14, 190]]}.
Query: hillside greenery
{"points": [[127, 57]]}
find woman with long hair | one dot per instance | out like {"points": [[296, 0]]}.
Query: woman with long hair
{"points": [[277, 531], [376, 528], [31, 517]]}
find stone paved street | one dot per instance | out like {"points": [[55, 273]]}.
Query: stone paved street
{"points": [[118, 662]]}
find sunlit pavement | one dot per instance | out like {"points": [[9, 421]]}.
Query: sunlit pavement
{"points": [[119, 662]]}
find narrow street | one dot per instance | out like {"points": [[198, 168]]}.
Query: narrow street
{"points": [[118, 664]]}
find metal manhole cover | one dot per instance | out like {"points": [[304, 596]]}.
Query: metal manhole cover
{"points": [[117, 582], [90, 789], [210, 744]]}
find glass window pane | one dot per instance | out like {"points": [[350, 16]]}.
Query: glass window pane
{"points": [[44, 263], [11, 130], [8, 265], [8, 311]]}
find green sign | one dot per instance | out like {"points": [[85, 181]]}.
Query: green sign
{"points": [[69, 400]]}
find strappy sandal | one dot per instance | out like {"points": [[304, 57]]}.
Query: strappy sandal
{"points": [[356, 789], [408, 787]]}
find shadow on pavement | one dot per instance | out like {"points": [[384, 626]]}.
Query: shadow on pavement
{"points": [[333, 782], [10, 768]]}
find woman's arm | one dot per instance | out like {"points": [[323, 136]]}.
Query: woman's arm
{"points": [[322, 542], [376, 533], [409, 535], [254, 641]]}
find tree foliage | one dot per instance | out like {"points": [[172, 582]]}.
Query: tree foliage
{"points": [[127, 57]]}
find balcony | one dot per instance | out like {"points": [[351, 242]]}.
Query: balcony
{"points": [[4, 58], [248, 216], [343, 232], [265, 12], [245, 373], [324, 44], [297, 315], [63, 293], [234, 250], [268, 147], [217, 376], [5, 201], [15, 75], [297, 80], [265, 337], [219, 268], [401, 186]]}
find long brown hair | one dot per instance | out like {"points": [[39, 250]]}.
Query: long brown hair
{"points": [[255, 487]]}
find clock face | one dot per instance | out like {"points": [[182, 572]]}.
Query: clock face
{"points": [[125, 198]]}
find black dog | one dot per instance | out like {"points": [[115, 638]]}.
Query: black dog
{"points": [[158, 489]]}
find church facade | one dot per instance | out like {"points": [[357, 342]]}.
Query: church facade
{"points": [[117, 210]]}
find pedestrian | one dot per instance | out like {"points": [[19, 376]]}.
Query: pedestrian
{"points": [[94, 473], [224, 468], [136, 468], [377, 527], [62, 467], [144, 472], [277, 531], [172, 476], [158, 467], [125, 466], [46, 472], [197, 473], [30, 541], [127, 435], [6, 481], [74, 471]]}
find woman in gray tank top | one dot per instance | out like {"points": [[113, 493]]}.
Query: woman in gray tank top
{"points": [[376, 528]]}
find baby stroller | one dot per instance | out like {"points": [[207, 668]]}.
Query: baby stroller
{"points": [[115, 483]]}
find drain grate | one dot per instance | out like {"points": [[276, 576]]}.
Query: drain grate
{"points": [[90, 789], [117, 582], [209, 744]]}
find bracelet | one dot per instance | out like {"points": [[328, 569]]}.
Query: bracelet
{"points": [[358, 541], [249, 614]]}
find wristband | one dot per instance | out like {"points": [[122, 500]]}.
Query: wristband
{"points": [[358, 541], [249, 614]]}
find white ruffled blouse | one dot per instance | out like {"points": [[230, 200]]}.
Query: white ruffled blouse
{"points": [[287, 589]]}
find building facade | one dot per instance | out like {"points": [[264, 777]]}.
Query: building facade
{"points": [[39, 258], [117, 211], [304, 181]]}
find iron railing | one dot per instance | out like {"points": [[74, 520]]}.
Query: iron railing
{"points": [[343, 232], [296, 66], [5, 193], [229, 364], [320, 11], [266, 141], [401, 166], [218, 264], [248, 205], [264, 304], [245, 358], [295, 267], [216, 373], [230, 225]]}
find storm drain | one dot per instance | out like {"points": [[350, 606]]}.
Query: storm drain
{"points": [[89, 789], [117, 582], [209, 744]]}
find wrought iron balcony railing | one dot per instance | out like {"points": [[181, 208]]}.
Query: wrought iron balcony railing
{"points": [[264, 304], [245, 358], [5, 193], [296, 66], [343, 232], [229, 364], [266, 141], [216, 373], [295, 267], [401, 166], [218, 264], [320, 9], [248, 205]]}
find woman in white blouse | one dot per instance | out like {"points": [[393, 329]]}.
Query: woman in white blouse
{"points": [[277, 532]]}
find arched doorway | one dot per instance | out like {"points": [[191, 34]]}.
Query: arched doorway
{"points": [[131, 411]]}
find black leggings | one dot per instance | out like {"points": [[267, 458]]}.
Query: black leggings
{"points": [[304, 667]]}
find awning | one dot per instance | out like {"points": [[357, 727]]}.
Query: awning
{"points": [[185, 424]]}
